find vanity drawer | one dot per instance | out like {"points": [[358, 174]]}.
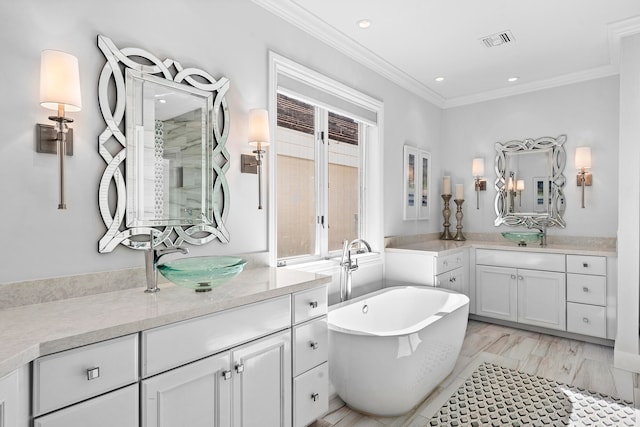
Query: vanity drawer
{"points": [[587, 289], [587, 264], [68, 377], [450, 262], [587, 319], [118, 408], [310, 395], [173, 345], [309, 304], [518, 259], [310, 344]]}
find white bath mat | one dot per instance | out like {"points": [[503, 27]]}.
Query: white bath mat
{"points": [[498, 396]]}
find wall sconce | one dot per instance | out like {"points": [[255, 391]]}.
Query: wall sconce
{"points": [[477, 169], [520, 189], [60, 91], [259, 138], [583, 161]]}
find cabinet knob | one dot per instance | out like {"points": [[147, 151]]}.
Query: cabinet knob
{"points": [[585, 289], [226, 375], [452, 279], [585, 265], [585, 319], [313, 345], [239, 368], [520, 278], [93, 373], [313, 304], [513, 276], [315, 397], [445, 263]]}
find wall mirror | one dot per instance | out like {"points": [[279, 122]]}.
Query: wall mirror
{"points": [[166, 163], [530, 182]]}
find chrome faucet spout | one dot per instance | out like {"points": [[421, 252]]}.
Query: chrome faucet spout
{"points": [[348, 267], [543, 230], [151, 258]]}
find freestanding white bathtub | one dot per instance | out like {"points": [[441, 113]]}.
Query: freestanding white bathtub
{"points": [[389, 349]]}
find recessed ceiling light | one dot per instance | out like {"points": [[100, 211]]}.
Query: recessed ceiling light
{"points": [[513, 79], [439, 79], [364, 23]]}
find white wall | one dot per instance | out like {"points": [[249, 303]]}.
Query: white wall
{"points": [[586, 112], [225, 38]]}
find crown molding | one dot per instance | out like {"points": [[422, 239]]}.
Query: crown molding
{"points": [[567, 79], [616, 31], [311, 24]]}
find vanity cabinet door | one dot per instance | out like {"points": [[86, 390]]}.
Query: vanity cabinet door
{"points": [[497, 292], [194, 395], [14, 399], [542, 298], [262, 382]]}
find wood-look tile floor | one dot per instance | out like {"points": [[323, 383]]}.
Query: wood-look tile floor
{"points": [[578, 363]]}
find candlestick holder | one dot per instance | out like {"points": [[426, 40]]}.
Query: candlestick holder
{"points": [[446, 213], [459, 236]]}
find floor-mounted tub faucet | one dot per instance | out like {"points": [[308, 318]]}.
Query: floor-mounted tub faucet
{"points": [[349, 267], [151, 258]]}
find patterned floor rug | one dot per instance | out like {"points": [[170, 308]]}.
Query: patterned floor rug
{"points": [[498, 396]]}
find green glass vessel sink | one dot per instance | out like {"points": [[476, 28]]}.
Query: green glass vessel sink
{"points": [[522, 237], [202, 273]]}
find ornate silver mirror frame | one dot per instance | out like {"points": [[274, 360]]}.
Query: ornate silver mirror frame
{"points": [[553, 201], [113, 142]]}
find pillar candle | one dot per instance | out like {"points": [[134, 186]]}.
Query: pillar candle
{"points": [[459, 192], [446, 185]]}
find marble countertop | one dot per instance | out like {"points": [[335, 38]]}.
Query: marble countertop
{"points": [[35, 330], [443, 247]]}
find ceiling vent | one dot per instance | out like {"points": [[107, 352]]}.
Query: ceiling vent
{"points": [[498, 39]]}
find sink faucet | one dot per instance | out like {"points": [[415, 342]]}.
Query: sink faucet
{"points": [[543, 230], [349, 267], [151, 258]]}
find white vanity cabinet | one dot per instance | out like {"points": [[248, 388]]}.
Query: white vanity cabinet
{"points": [[587, 295], [14, 399], [524, 287], [310, 355], [449, 271], [107, 369]]}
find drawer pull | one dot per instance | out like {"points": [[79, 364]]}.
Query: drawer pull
{"points": [[226, 375], [585, 265], [452, 279], [585, 289], [445, 263], [315, 397], [313, 345], [313, 304], [585, 320], [239, 368], [93, 373]]}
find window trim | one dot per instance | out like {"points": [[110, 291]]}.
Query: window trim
{"points": [[371, 223]]}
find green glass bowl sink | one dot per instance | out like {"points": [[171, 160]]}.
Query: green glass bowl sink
{"points": [[522, 237], [202, 273]]}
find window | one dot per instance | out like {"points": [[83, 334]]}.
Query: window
{"points": [[318, 178], [325, 165]]}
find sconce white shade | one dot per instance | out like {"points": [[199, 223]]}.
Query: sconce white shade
{"points": [[259, 128], [583, 157], [477, 167], [520, 185], [59, 81]]}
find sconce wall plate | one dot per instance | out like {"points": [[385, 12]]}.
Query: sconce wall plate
{"points": [[587, 179], [47, 140], [248, 164], [481, 185]]}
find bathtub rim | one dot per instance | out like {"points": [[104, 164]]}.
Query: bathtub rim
{"points": [[464, 301]]}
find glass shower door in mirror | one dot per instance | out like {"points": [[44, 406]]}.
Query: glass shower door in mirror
{"points": [[169, 154]]}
